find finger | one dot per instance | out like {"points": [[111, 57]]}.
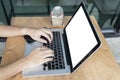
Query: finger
{"points": [[48, 51], [41, 40], [47, 60], [46, 37], [48, 55], [43, 48], [48, 31]]}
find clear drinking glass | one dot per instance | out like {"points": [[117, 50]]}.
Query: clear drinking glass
{"points": [[57, 16]]}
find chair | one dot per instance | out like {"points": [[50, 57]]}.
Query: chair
{"points": [[107, 8], [5, 12]]}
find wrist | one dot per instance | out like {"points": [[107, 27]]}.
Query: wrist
{"points": [[26, 63], [25, 31]]}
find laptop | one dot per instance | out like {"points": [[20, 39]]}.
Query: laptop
{"points": [[72, 46]]}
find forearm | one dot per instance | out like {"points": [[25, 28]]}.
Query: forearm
{"points": [[9, 31], [12, 69]]}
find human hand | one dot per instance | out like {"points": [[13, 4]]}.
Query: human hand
{"points": [[39, 56], [37, 34]]}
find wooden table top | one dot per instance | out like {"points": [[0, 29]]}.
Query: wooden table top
{"points": [[100, 66]]}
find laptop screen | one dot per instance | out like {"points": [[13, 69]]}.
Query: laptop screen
{"points": [[81, 37]]}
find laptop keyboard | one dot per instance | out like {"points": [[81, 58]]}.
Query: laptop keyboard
{"points": [[58, 61]]}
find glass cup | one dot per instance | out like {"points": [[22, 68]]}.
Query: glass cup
{"points": [[57, 16]]}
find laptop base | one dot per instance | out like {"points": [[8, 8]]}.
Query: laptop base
{"points": [[38, 71]]}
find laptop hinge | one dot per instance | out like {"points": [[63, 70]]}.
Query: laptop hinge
{"points": [[67, 53]]}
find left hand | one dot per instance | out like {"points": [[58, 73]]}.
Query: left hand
{"points": [[37, 33], [39, 56]]}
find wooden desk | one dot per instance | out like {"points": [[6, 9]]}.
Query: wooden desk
{"points": [[100, 66]]}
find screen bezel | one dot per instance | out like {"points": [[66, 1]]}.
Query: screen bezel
{"points": [[94, 32]]}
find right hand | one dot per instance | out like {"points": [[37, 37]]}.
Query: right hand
{"points": [[39, 56], [37, 33]]}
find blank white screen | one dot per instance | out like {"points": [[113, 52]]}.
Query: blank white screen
{"points": [[81, 39]]}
